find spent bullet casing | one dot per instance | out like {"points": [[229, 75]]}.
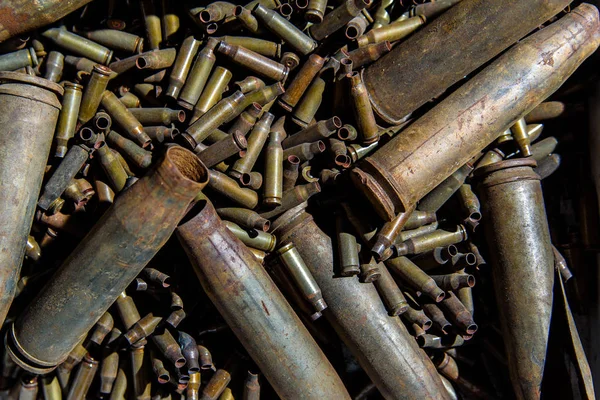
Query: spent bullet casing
{"points": [[429, 241], [347, 248], [139, 157], [116, 40], [260, 46], [125, 118], [415, 277], [369, 53], [247, 218], [229, 188], [109, 369], [309, 103], [251, 387], [142, 328], [301, 81], [296, 267], [305, 151], [224, 110], [445, 126], [454, 281], [255, 62], [156, 59], [103, 327], [182, 65], [79, 45], [391, 32], [521, 136], [291, 165], [111, 166], [223, 149], [67, 119], [257, 239], [55, 62], [246, 119], [216, 385], [337, 18], [390, 293], [92, 95], [458, 313], [283, 28], [157, 116], [363, 113], [63, 175], [141, 384], [273, 182], [83, 379], [438, 319], [320, 130], [153, 25], [198, 75]]}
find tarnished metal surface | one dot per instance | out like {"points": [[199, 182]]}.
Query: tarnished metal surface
{"points": [[516, 228], [465, 37], [256, 311], [411, 164], [113, 253], [29, 109], [381, 343], [19, 16]]}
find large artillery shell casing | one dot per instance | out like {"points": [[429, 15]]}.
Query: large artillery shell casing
{"points": [[480, 28], [381, 344], [29, 109], [268, 327], [114, 252], [410, 165], [519, 238], [19, 17]]}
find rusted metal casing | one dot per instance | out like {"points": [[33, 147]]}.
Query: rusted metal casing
{"points": [[256, 310], [29, 108], [382, 345], [516, 229], [410, 165], [114, 252], [448, 49], [19, 16]]}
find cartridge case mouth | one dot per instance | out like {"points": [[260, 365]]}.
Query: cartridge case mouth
{"points": [[102, 69], [103, 122], [188, 167], [181, 116], [86, 134]]}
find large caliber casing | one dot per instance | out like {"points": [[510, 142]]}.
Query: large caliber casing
{"points": [[516, 229], [105, 262], [382, 345], [256, 311], [29, 109], [431, 149], [18, 16], [451, 47]]}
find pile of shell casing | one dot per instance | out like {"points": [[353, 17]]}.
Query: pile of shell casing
{"points": [[316, 198]]}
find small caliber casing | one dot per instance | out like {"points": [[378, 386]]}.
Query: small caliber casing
{"points": [[67, 119], [255, 62], [283, 28], [79, 45], [92, 95], [198, 76], [273, 182], [181, 68]]}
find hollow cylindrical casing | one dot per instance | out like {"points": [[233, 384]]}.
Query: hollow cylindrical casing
{"points": [[157, 116], [283, 28], [116, 40], [213, 91], [255, 62], [181, 68], [67, 119], [139, 157], [230, 188], [391, 32], [313, 133], [337, 18], [268, 327], [24, 17], [517, 232], [273, 182], [382, 345], [92, 95], [18, 59], [481, 28], [114, 252], [223, 149], [63, 175], [301, 81], [29, 109], [198, 76], [309, 103], [125, 118], [411, 164], [79, 45]]}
